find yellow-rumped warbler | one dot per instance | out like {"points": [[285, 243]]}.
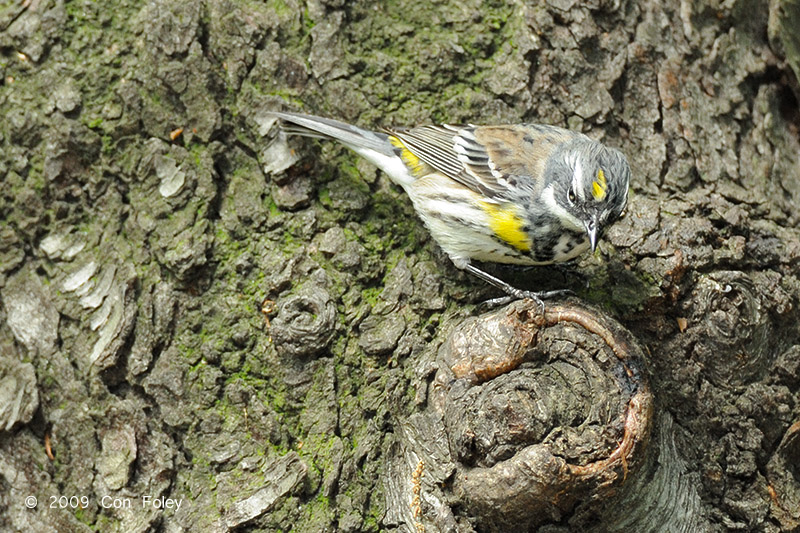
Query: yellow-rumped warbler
{"points": [[524, 194]]}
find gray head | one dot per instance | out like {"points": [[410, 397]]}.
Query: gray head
{"points": [[590, 182]]}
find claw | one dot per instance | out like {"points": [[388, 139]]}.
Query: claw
{"points": [[537, 297], [498, 302], [512, 292]]}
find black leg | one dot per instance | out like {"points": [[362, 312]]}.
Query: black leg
{"points": [[512, 292]]}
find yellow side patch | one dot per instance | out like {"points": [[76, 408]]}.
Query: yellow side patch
{"points": [[599, 186], [411, 161], [507, 225]]}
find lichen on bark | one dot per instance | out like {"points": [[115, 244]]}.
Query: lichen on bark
{"points": [[150, 239]]}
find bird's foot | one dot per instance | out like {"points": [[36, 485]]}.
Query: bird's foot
{"points": [[517, 294]]}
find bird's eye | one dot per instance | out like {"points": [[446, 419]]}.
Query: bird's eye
{"points": [[571, 195]]}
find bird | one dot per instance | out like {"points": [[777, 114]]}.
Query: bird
{"points": [[522, 194]]}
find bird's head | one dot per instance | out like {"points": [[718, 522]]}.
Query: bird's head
{"points": [[590, 184]]}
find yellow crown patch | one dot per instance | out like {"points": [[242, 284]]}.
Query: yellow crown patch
{"points": [[599, 186]]}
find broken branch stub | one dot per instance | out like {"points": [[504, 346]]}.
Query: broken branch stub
{"points": [[544, 416]]}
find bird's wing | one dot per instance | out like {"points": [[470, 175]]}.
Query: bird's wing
{"points": [[495, 161], [431, 145]]}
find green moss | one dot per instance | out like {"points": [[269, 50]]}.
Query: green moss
{"points": [[280, 7], [622, 292], [273, 208], [197, 367], [108, 145], [371, 295], [325, 197], [84, 516], [104, 522], [396, 63], [288, 240], [308, 23], [348, 167]]}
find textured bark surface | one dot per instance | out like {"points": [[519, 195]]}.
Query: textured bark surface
{"points": [[191, 314]]}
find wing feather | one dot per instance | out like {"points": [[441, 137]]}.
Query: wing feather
{"points": [[433, 145], [495, 161]]}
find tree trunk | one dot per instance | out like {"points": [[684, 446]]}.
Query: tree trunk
{"points": [[204, 329]]}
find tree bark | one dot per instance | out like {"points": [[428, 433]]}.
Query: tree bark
{"points": [[204, 329]]}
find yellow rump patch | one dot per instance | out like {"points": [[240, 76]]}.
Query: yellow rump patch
{"points": [[599, 186], [412, 162], [507, 225]]}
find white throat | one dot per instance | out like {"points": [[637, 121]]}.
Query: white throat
{"points": [[566, 218]]}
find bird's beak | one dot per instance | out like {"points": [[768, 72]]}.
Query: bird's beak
{"points": [[593, 233]]}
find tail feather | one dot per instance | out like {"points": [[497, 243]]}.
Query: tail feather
{"points": [[324, 128]]}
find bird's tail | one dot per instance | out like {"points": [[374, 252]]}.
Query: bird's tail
{"points": [[373, 146], [355, 138]]}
